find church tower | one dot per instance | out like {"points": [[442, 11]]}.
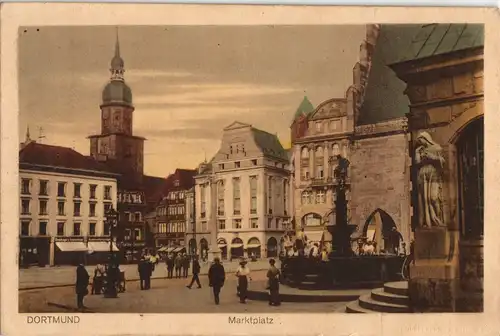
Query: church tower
{"points": [[116, 144]]}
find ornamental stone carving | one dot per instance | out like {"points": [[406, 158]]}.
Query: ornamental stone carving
{"points": [[430, 163]]}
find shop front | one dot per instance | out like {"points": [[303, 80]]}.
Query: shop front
{"points": [[132, 251], [99, 250], [70, 251], [34, 251]]}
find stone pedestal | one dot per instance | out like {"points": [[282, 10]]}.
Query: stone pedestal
{"points": [[214, 252], [434, 275]]}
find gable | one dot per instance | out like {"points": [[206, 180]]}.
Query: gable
{"points": [[332, 108], [236, 125]]}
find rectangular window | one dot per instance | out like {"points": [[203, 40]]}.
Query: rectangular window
{"points": [[60, 228], [138, 217], [25, 228], [93, 189], [222, 224], [25, 206], [220, 198], [162, 228], [61, 189], [237, 223], [127, 234], [60, 208], [107, 192], [44, 188], [106, 229], [76, 229], [253, 194], [203, 200], [270, 194], [92, 209], [181, 195], [77, 190], [25, 186], [92, 229], [285, 197], [137, 234], [43, 207], [269, 223], [236, 196], [237, 164], [204, 227], [107, 208], [76, 209], [319, 171], [304, 173], [254, 223], [42, 228], [254, 162], [221, 166]]}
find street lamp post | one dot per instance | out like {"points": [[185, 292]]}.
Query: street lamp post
{"points": [[214, 247], [111, 276]]}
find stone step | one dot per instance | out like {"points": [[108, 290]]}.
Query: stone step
{"points": [[379, 294], [397, 287], [367, 302], [354, 307]]}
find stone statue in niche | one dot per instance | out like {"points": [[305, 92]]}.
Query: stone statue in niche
{"points": [[430, 163]]}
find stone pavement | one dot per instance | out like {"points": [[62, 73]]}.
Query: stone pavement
{"points": [[36, 277], [166, 296]]}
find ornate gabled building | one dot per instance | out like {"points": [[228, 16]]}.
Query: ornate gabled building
{"points": [[366, 126], [242, 197], [123, 152]]}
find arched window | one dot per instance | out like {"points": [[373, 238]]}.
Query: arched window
{"points": [[470, 157], [319, 152], [335, 149], [305, 153], [320, 197], [306, 197]]}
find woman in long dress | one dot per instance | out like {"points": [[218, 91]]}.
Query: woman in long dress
{"points": [[243, 274], [430, 162]]}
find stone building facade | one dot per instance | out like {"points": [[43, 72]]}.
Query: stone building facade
{"points": [[242, 194], [443, 71], [64, 196], [367, 127]]}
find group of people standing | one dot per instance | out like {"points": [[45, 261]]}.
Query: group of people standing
{"points": [[180, 263]]}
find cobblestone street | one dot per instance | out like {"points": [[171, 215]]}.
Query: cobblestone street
{"points": [[165, 296]]}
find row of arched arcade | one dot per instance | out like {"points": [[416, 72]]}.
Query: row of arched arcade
{"points": [[237, 248]]}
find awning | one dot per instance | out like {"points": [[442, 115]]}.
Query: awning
{"points": [[253, 245], [222, 245], [101, 247], [163, 249], [314, 236], [72, 246], [178, 249], [236, 245], [170, 249]]}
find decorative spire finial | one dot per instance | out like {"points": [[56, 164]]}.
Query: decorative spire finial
{"points": [[117, 65], [28, 138]]}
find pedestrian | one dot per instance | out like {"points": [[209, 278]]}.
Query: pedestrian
{"points": [[185, 265], [81, 286], [273, 278], [98, 279], [243, 274], [170, 266], [143, 269], [178, 265], [153, 259], [196, 272], [216, 278]]}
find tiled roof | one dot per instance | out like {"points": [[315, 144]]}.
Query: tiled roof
{"points": [[384, 94], [269, 143], [58, 156], [305, 108], [437, 39]]}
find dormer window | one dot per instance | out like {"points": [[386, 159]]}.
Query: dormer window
{"points": [[176, 183]]}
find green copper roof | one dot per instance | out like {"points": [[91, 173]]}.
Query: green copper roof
{"points": [[437, 39], [305, 108], [269, 143]]}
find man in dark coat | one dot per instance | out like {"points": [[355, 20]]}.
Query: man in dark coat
{"points": [[143, 269], [82, 282], [216, 278], [196, 272], [178, 265], [170, 266], [185, 265]]}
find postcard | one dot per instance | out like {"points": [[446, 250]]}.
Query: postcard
{"points": [[207, 169]]}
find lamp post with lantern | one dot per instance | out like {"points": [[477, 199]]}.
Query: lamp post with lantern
{"points": [[112, 271]]}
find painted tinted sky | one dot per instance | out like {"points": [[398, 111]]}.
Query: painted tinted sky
{"points": [[188, 82]]}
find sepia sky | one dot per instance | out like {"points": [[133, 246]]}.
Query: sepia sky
{"points": [[188, 82]]}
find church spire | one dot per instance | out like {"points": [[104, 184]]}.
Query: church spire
{"points": [[117, 65]]}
